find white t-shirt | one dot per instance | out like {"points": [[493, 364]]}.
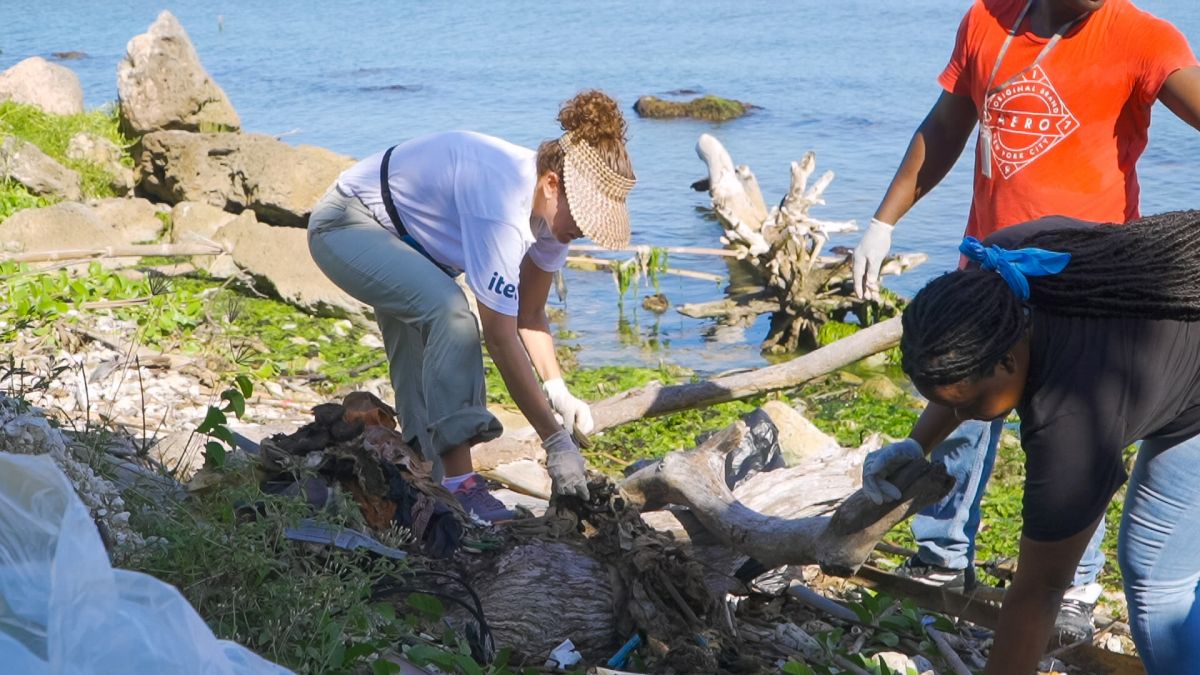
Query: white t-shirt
{"points": [[467, 198]]}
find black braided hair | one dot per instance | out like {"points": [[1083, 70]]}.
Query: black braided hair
{"points": [[962, 323]]}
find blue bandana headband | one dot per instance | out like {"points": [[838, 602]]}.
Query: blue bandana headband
{"points": [[1014, 266]]}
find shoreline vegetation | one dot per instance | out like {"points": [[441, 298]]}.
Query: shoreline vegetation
{"points": [[109, 354], [52, 134]]}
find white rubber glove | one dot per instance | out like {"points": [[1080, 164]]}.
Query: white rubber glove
{"points": [[884, 462], [567, 468], [576, 414], [868, 258]]}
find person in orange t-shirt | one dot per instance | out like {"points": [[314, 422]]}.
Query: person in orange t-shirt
{"points": [[1061, 91]]}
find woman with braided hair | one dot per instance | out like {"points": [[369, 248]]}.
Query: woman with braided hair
{"points": [[396, 228], [1092, 334]]}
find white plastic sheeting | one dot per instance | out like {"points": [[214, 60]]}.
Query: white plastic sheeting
{"points": [[64, 609]]}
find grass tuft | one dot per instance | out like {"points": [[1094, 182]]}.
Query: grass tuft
{"points": [[51, 134]]}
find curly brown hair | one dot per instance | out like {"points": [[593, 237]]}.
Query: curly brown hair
{"points": [[594, 117]]}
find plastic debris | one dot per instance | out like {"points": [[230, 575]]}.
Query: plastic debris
{"points": [[563, 656], [332, 535]]}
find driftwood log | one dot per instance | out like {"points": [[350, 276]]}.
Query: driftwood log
{"points": [[800, 287]]}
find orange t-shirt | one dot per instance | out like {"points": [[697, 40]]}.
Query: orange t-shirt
{"points": [[1065, 135]]}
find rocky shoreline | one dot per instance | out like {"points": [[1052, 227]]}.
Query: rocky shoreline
{"points": [[189, 175]]}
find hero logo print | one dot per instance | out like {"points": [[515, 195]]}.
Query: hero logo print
{"points": [[500, 286], [1025, 120]]}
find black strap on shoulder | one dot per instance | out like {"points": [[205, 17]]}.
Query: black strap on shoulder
{"points": [[386, 191], [389, 205]]}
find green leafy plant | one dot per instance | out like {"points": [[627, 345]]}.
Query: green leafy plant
{"points": [[627, 275], [656, 265], [214, 424]]}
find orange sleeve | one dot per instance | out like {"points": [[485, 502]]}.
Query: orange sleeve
{"points": [[956, 77], [1162, 51]]}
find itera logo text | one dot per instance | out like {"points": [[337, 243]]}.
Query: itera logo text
{"points": [[502, 287]]}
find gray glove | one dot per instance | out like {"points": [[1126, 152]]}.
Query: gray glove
{"points": [[884, 462], [868, 258], [567, 468]]}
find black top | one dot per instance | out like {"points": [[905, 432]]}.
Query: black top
{"points": [[1095, 386]]}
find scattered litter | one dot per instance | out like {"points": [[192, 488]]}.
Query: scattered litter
{"points": [[332, 535], [622, 656], [564, 656]]}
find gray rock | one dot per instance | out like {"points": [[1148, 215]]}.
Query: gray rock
{"points": [[224, 266], [799, 440], [88, 147], [49, 86], [24, 163], [233, 172], [279, 261], [881, 387], [135, 220], [161, 84], [192, 220]]}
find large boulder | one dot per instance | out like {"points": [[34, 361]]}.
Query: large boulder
{"points": [[278, 260], [88, 147], [161, 84], [24, 163], [281, 184], [49, 86], [69, 225]]}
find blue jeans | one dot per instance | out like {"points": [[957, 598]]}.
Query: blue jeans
{"points": [[1159, 553], [945, 531]]}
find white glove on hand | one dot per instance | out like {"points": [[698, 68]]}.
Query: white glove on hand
{"points": [[882, 463], [567, 468], [576, 414], [868, 258]]}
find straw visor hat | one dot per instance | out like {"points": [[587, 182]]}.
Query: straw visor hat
{"points": [[595, 193]]}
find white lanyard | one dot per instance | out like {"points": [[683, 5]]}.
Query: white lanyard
{"points": [[985, 134]]}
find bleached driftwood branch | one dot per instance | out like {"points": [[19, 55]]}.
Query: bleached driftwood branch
{"points": [[786, 244]]}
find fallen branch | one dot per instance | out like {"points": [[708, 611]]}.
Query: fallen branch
{"points": [[973, 608], [134, 251], [655, 399], [678, 250], [735, 307], [591, 264], [948, 654]]}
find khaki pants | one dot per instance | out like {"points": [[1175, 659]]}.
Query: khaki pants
{"points": [[432, 340]]}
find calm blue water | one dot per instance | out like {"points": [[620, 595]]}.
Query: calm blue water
{"points": [[849, 80]]}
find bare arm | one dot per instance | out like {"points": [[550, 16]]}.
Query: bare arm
{"points": [[532, 324], [934, 148], [1181, 94], [506, 349], [1044, 573], [933, 426]]}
